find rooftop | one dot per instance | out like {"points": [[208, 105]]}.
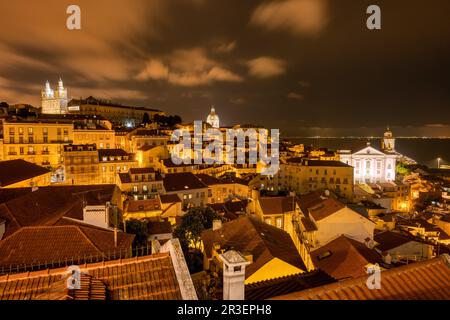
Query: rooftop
{"points": [[13, 171], [46, 205], [275, 287], [249, 235], [427, 280], [33, 245], [277, 205], [344, 258], [388, 240], [142, 278], [326, 208], [95, 101], [182, 181]]}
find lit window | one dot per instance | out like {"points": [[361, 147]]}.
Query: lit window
{"points": [[279, 223]]}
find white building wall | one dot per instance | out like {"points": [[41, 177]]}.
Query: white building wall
{"points": [[344, 221]]}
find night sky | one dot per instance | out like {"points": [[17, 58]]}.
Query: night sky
{"points": [[307, 67]]}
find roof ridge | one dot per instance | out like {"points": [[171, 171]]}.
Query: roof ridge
{"points": [[80, 228]]}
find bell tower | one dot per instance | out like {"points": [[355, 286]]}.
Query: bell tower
{"points": [[388, 142]]}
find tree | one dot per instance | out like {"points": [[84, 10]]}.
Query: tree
{"points": [[193, 223], [138, 228], [146, 118]]}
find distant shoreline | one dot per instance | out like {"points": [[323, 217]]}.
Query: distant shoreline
{"points": [[354, 137]]}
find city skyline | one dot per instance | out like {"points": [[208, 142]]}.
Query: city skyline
{"points": [[321, 80]]}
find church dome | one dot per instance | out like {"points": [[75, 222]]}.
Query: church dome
{"points": [[213, 118]]}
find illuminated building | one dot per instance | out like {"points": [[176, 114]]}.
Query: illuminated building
{"points": [[54, 102], [140, 182], [39, 141], [112, 162], [213, 118], [81, 164], [118, 114], [371, 165], [95, 130], [22, 174], [303, 175]]}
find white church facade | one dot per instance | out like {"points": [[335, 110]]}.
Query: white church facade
{"points": [[213, 118], [54, 102], [372, 165]]}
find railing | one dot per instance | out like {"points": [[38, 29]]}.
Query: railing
{"points": [[115, 254]]}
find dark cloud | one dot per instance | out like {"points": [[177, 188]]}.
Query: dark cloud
{"points": [[293, 64]]}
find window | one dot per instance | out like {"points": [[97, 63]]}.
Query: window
{"points": [[30, 140], [45, 139], [22, 150], [45, 131], [268, 221], [111, 168], [279, 223], [11, 131], [20, 130], [103, 168], [66, 131], [145, 188], [59, 131], [135, 189], [11, 139], [30, 130]]}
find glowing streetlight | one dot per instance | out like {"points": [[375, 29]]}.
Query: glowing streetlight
{"points": [[439, 162]]}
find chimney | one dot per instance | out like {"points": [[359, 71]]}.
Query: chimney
{"points": [[233, 275], [387, 257], [217, 224], [369, 243]]}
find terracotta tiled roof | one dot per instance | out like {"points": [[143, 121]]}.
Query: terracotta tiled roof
{"points": [[14, 171], [280, 286], [47, 205], [207, 179], [308, 224], [344, 258], [388, 240], [426, 280], [144, 278], [277, 205], [144, 205], [325, 208], [159, 227], [249, 235], [182, 181], [111, 153], [38, 245], [309, 200], [141, 170], [169, 198]]}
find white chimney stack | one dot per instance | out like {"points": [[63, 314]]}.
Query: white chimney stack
{"points": [[217, 224], [233, 275]]}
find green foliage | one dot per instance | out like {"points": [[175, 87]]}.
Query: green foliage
{"points": [[138, 228], [193, 223], [402, 169], [146, 119], [169, 121]]}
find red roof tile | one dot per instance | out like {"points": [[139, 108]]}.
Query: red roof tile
{"points": [[145, 278], [40, 245], [14, 171], [344, 258], [426, 280]]}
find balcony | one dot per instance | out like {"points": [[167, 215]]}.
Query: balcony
{"points": [[62, 141], [45, 152], [12, 153], [31, 153], [46, 163]]}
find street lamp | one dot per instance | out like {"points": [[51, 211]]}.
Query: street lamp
{"points": [[439, 162]]}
